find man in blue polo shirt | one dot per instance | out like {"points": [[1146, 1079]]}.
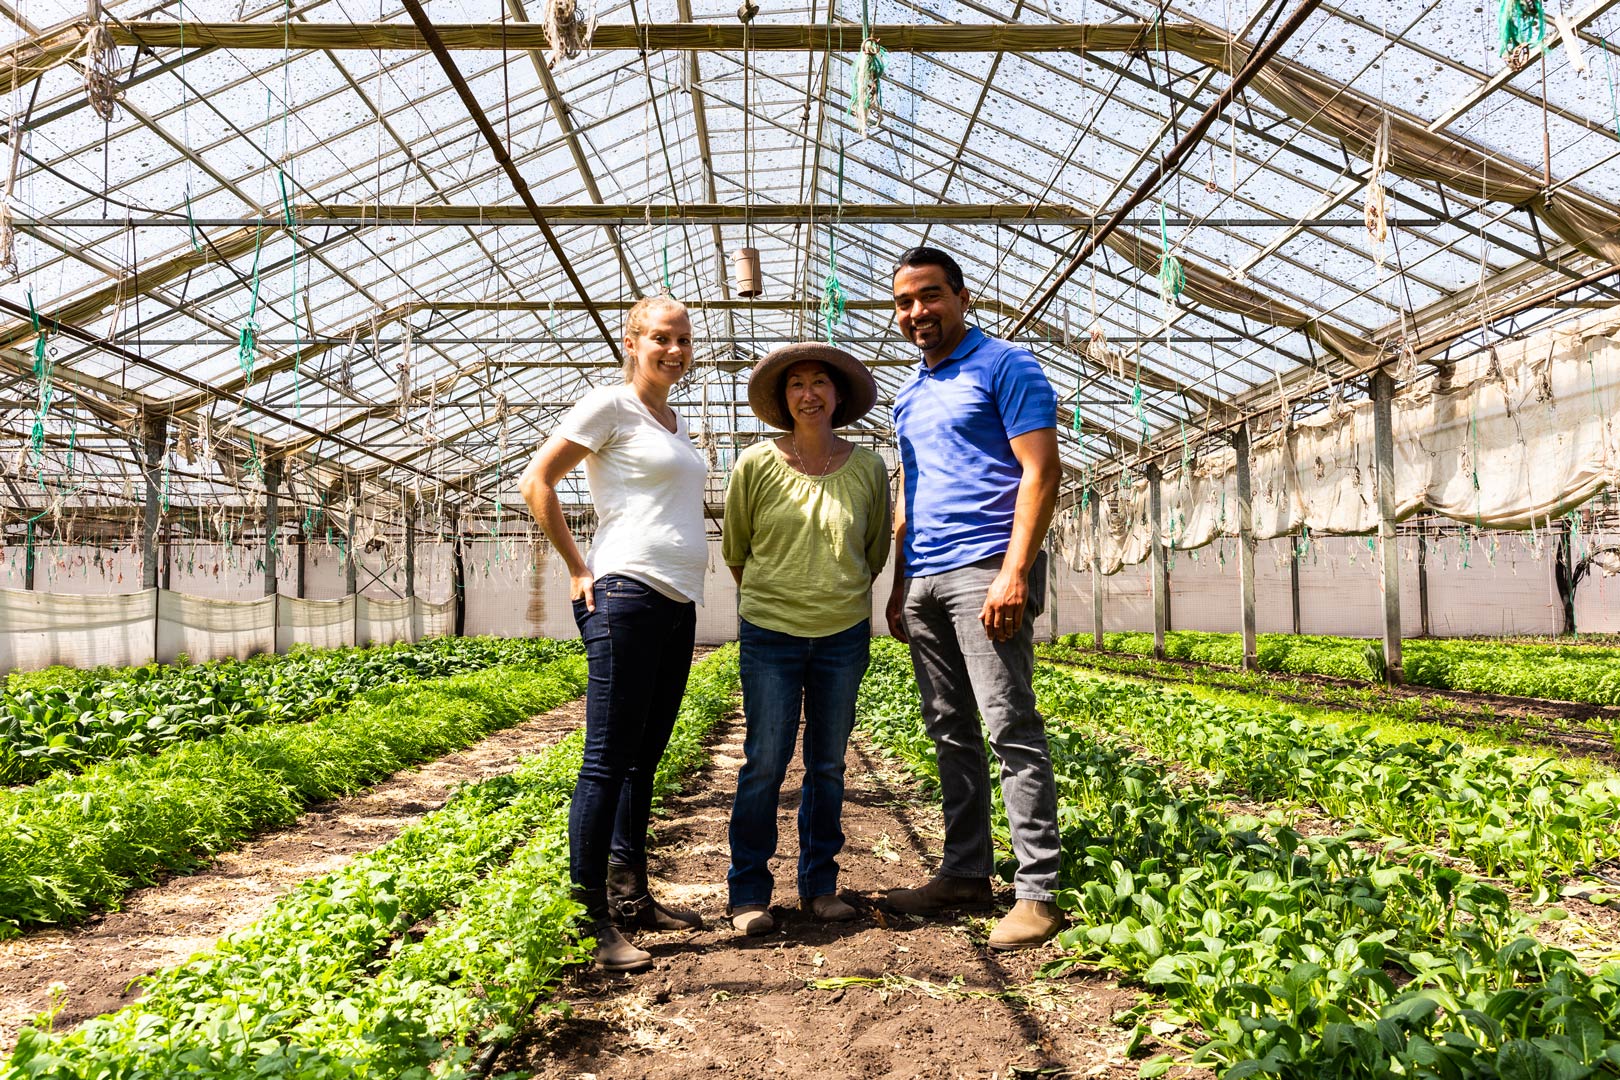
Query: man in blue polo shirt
{"points": [[977, 428]]}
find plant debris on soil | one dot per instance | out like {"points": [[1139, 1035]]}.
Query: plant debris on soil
{"points": [[95, 963], [882, 996]]}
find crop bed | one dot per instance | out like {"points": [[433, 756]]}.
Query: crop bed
{"points": [[1273, 952], [1576, 673], [420, 959], [64, 719], [1568, 726], [76, 842]]}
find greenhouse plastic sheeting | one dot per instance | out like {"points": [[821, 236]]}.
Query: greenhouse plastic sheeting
{"points": [[433, 620], [41, 629], [322, 623], [203, 628], [383, 622], [1526, 435]]}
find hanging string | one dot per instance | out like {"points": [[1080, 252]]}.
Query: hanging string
{"points": [[866, 89], [834, 301], [1608, 70], [43, 370], [1172, 276], [1376, 212], [8, 230]]}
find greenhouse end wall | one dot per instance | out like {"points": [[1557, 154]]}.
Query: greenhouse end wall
{"points": [[85, 612]]}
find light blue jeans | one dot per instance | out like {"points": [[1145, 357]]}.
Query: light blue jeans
{"points": [[963, 675], [784, 676]]}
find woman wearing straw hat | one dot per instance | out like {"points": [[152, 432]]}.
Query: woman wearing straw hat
{"points": [[806, 531]]}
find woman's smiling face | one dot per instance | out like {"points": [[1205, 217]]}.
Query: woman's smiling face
{"points": [[810, 394], [662, 348]]}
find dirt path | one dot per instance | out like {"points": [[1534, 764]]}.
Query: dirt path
{"points": [[937, 1003], [163, 925]]}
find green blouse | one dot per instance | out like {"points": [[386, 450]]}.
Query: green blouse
{"points": [[809, 546]]}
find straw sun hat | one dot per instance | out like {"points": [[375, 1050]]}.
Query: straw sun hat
{"points": [[855, 385]]}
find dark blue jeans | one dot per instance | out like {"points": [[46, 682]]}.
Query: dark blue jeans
{"points": [[782, 676], [638, 651]]}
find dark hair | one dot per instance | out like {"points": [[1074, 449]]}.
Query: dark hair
{"points": [[840, 384], [928, 256]]}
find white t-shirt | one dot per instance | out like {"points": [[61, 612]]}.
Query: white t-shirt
{"points": [[647, 484]]}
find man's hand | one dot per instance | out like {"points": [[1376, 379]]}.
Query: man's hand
{"points": [[896, 612], [1003, 611], [582, 586]]}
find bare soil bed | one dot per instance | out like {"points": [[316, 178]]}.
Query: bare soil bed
{"points": [[883, 996], [163, 925]]}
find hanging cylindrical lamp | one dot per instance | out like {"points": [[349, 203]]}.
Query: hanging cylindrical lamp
{"points": [[745, 264]]}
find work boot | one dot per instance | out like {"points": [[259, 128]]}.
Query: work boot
{"points": [[940, 895], [633, 907], [613, 952], [1028, 924], [752, 919], [828, 908]]}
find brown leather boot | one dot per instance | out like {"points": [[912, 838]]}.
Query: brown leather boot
{"points": [[633, 907], [612, 952], [941, 895], [1028, 924]]}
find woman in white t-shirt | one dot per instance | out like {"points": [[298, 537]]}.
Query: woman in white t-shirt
{"points": [[635, 598]]}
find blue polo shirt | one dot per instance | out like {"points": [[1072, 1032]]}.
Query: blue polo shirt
{"points": [[954, 424]]}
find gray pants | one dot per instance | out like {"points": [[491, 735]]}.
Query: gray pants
{"points": [[962, 675]]}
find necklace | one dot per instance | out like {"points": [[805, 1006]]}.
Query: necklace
{"points": [[800, 458]]}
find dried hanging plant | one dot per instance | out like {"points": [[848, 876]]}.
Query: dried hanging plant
{"points": [[101, 67], [1376, 214], [568, 29]]}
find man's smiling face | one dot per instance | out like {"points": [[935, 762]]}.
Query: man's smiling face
{"points": [[931, 315]]}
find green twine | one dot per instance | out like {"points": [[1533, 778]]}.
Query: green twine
{"points": [[1136, 403], [1608, 70], [247, 340], [298, 337], [191, 223], [1519, 24], [669, 287], [834, 301], [1172, 276], [43, 370]]}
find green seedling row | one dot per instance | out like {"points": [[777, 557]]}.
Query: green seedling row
{"points": [[76, 843], [62, 719], [1555, 672], [332, 983], [1532, 822], [1285, 955]]}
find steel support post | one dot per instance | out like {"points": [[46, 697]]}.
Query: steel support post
{"points": [[1383, 395], [156, 436], [272, 522], [1096, 573], [1245, 509], [1161, 572]]}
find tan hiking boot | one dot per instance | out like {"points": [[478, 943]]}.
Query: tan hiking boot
{"points": [[752, 919], [614, 953], [940, 895], [1028, 924], [828, 908]]}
